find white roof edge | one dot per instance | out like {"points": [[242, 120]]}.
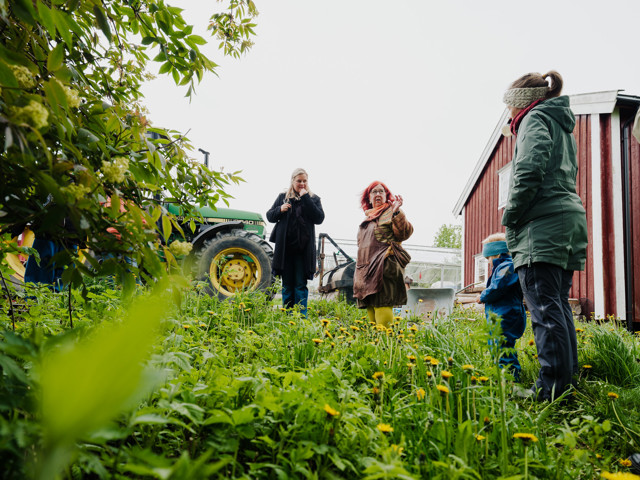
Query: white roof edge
{"points": [[581, 104], [597, 102]]}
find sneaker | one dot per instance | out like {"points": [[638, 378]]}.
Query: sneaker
{"points": [[521, 392], [635, 463]]}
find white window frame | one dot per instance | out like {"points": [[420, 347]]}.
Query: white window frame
{"points": [[504, 178], [480, 267]]}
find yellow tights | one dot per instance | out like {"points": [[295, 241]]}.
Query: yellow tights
{"points": [[380, 315]]}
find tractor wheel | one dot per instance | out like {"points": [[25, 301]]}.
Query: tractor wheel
{"points": [[235, 261]]}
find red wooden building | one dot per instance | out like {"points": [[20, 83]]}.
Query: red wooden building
{"points": [[608, 183]]}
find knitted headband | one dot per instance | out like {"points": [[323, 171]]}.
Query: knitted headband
{"points": [[492, 249], [522, 97]]}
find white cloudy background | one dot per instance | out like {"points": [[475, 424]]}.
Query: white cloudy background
{"points": [[403, 91]]}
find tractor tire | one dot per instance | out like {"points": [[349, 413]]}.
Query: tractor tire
{"points": [[233, 262]]}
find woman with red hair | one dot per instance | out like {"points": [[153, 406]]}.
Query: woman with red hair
{"points": [[378, 283]]}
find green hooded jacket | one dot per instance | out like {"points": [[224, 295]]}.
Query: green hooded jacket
{"points": [[544, 216]]}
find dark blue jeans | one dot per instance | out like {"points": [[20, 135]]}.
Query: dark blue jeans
{"points": [[294, 283], [508, 359], [546, 291]]}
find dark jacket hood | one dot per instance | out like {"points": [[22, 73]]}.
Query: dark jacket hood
{"points": [[559, 110]]}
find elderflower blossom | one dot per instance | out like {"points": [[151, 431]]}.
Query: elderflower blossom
{"points": [[178, 248], [73, 100], [23, 76], [35, 114], [76, 191], [115, 171]]}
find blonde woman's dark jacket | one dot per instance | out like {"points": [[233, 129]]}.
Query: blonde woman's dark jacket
{"points": [[312, 215], [545, 219]]}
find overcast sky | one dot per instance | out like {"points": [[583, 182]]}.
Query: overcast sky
{"points": [[406, 92]]}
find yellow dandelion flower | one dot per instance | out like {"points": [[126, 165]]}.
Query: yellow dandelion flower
{"points": [[579, 330], [443, 390], [450, 360], [359, 322], [419, 300], [343, 330], [385, 428], [526, 437], [317, 340], [532, 342], [291, 322], [483, 379], [355, 328], [411, 357], [598, 456], [340, 337], [625, 462], [375, 390], [468, 368], [427, 358], [413, 328], [587, 367], [363, 317], [429, 374], [480, 437], [446, 374], [397, 449], [473, 379], [331, 411], [327, 333], [282, 309], [325, 322], [434, 361], [250, 332], [620, 476], [411, 365], [204, 325], [420, 393], [333, 344], [247, 309], [378, 375], [186, 326], [612, 395]]}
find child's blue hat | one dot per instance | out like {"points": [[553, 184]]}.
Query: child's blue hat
{"points": [[494, 248]]}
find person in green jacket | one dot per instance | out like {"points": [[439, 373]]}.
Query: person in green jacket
{"points": [[545, 222]]}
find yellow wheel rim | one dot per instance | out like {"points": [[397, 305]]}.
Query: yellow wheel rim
{"points": [[17, 262], [233, 270]]}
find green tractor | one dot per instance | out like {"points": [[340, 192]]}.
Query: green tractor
{"points": [[230, 252]]}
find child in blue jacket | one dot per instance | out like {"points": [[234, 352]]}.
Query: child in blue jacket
{"points": [[503, 296]]}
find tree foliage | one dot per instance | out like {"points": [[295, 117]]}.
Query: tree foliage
{"points": [[74, 133], [448, 236]]}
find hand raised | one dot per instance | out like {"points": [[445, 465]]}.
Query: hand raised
{"points": [[397, 203], [285, 207]]}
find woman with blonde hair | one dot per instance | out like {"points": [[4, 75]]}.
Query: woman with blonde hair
{"points": [[546, 222], [295, 212]]}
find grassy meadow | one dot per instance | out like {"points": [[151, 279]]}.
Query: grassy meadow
{"points": [[176, 385]]}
